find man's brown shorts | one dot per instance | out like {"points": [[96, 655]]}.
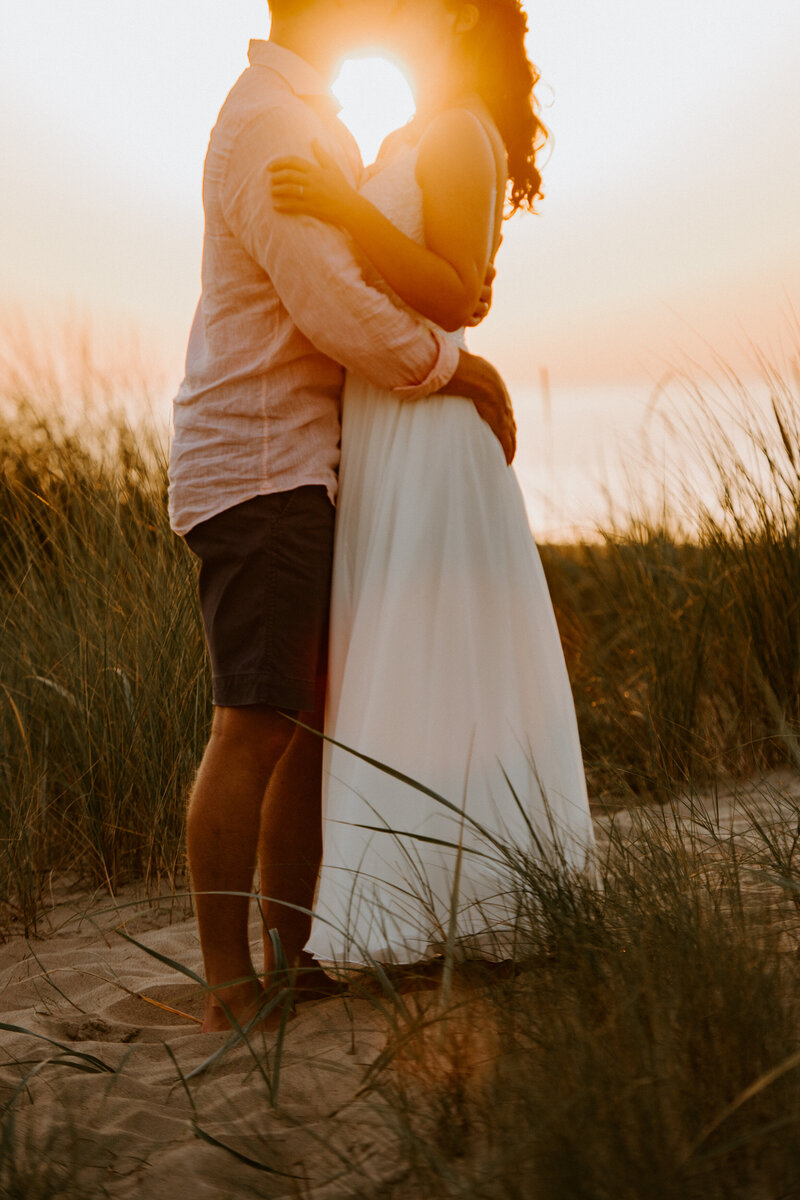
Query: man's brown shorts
{"points": [[265, 581]]}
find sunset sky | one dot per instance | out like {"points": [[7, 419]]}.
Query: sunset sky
{"points": [[672, 188]]}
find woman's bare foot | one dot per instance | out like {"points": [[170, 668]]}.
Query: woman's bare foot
{"points": [[243, 1002]]}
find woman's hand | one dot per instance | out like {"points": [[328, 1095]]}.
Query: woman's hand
{"points": [[317, 189], [485, 299]]}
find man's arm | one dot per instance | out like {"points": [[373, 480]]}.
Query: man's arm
{"points": [[317, 276], [319, 281], [441, 276]]}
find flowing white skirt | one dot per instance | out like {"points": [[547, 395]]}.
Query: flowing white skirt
{"points": [[446, 666]]}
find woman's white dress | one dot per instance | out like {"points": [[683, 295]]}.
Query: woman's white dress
{"points": [[446, 665]]}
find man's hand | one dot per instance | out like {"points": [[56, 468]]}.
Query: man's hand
{"points": [[480, 382]]}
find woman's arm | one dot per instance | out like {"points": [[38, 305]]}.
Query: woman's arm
{"points": [[456, 170]]}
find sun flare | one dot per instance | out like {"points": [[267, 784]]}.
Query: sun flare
{"points": [[376, 98]]}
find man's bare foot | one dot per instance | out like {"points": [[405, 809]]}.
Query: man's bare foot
{"points": [[243, 1001]]}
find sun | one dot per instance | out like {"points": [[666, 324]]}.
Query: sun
{"points": [[376, 98]]}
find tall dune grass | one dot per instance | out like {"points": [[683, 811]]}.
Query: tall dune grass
{"points": [[104, 698], [684, 653], [684, 649], [646, 1044]]}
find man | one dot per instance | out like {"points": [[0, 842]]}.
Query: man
{"points": [[253, 479]]}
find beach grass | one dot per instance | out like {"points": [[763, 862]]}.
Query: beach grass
{"points": [[648, 1046], [644, 1043], [684, 652], [104, 692], [647, 1043]]}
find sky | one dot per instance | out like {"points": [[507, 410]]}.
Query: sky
{"points": [[671, 215]]}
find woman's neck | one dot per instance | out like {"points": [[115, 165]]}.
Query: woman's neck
{"points": [[439, 87]]}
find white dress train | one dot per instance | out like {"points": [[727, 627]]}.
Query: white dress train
{"points": [[446, 665]]}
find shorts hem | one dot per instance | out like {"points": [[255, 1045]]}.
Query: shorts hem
{"points": [[238, 691]]}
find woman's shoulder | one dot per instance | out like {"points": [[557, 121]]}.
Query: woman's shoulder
{"points": [[467, 124], [458, 124], [463, 132], [466, 131]]}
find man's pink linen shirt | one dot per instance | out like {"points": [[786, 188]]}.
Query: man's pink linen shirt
{"points": [[284, 308]]}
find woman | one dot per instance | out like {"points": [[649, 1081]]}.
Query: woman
{"points": [[445, 658]]}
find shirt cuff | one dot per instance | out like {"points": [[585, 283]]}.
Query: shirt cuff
{"points": [[442, 371]]}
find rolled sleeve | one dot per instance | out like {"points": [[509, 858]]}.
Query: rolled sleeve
{"points": [[316, 274], [439, 375]]}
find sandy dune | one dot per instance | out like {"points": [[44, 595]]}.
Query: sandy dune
{"points": [[127, 1096], [129, 1114]]}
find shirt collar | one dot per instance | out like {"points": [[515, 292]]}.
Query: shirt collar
{"points": [[302, 78]]}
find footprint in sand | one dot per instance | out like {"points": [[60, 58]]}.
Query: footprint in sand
{"points": [[89, 1029]]}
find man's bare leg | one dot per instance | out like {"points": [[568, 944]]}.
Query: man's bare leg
{"points": [[222, 838], [290, 842]]}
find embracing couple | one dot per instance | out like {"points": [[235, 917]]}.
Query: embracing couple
{"points": [[327, 365]]}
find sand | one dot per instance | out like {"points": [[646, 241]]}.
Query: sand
{"points": [[125, 1111], [127, 1099]]}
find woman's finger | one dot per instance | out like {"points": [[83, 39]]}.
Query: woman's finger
{"points": [[290, 175], [290, 181], [296, 190], [290, 189], [290, 163], [481, 311], [288, 194]]}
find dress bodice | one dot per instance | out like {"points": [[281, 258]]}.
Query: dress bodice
{"points": [[392, 186]]}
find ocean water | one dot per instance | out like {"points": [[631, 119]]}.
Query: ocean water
{"points": [[586, 452], [589, 456]]}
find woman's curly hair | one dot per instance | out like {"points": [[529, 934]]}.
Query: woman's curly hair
{"points": [[505, 79]]}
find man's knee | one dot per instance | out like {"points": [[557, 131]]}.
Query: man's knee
{"points": [[254, 731]]}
